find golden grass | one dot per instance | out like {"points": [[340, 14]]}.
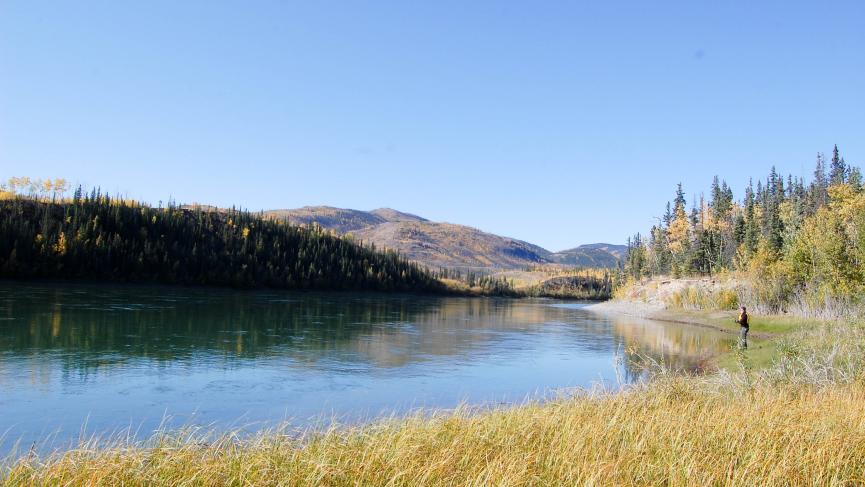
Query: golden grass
{"points": [[701, 299], [677, 431]]}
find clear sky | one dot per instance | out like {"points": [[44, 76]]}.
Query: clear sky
{"points": [[559, 123]]}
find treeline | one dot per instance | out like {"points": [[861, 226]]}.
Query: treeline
{"points": [[572, 283], [592, 284], [97, 237], [794, 238], [482, 283]]}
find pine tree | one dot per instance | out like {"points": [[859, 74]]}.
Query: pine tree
{"points": [[679, 202], [855, 179], [752, 228], [819, 195], [837, 169], [679, 233], [715, 196], [660, 251], [668, 216], [635, 258]]}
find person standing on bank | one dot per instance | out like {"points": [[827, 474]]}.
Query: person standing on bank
{"points": [[743, 332]]}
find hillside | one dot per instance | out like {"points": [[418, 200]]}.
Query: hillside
{"points": [[449, 245], [340, 220], [391, 215], [445, 244], [592, 255], [103, 239]]}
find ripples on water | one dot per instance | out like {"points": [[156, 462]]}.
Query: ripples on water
{"points": [[115, 356]]}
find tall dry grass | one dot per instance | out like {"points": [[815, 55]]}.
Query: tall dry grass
{"points": [[777, 296], [801, 422], [696, 298], [673, 433]]}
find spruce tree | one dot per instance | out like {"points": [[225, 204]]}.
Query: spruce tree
{"points": [[837, 169], [818, 194], [752, 228], [855, 179], [668, 216]]}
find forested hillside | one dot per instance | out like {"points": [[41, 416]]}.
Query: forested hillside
{"points": [[799, 242], [598, 255], [94, 236]]}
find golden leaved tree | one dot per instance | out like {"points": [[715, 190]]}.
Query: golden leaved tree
{"points": [[828, 253]]}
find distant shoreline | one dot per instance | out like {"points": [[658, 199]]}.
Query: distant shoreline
{"points": [[447, 293]]}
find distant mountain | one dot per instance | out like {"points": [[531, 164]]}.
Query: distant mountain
{"points": [[449, 245], [592, 255], [444, 244]]}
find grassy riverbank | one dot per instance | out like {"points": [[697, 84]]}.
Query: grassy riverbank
{"points": [[766, 330], [783, 425], [713, 302]]}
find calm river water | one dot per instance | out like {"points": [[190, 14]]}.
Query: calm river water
{"points": [[99, 359]]}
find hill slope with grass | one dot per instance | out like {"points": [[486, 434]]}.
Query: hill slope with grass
{"points": [[437, 244]]}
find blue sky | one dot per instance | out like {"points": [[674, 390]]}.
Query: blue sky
{"points": [[555, 122]]}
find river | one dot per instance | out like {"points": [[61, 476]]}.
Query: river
{"points": [[81, 360]]}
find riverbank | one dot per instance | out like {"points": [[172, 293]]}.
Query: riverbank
{"points": [[762, 326], [763, 338], [711, 302]]}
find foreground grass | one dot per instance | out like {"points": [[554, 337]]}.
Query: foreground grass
{"points": [[673, 433]]}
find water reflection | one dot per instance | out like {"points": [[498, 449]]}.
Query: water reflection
{"points": [[120, 354]]}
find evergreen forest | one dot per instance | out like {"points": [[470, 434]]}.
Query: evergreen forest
{"points": [[93, 236]]}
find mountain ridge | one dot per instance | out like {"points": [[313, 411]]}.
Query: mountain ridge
{"points": [[442, 244]]}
